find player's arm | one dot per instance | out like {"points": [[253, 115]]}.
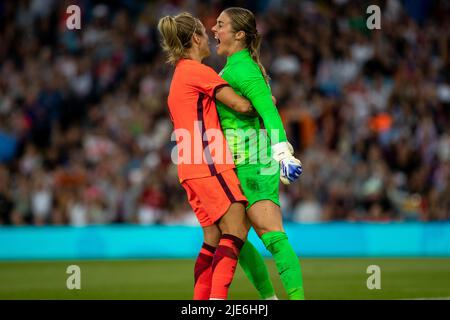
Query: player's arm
{"points": [[254, 87], [227, 96], [206, 80]]}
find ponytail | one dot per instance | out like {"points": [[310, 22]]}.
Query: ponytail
{"points": [[253, 48], [167, 27], [177, 33]]}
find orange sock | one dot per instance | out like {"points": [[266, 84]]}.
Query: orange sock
{"points": [[203, 272], [224, 265]]}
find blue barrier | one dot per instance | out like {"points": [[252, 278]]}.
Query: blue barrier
{"points": [[309, 240]]}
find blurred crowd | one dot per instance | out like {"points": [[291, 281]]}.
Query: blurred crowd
{"points": [[85, 135]]}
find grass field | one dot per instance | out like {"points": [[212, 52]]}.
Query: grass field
{"points": [[172, 279]]}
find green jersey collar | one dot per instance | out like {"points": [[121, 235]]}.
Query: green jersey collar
{"points": [[244, 53]]}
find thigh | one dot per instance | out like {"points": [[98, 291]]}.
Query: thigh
{"points": [[234, 221], [265, 216], [260, 183]]}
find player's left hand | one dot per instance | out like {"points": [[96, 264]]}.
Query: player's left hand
{"points": [[290, 170], [290, 167]]}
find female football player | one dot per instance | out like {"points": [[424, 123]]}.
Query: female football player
{"points": [[259, 174]]}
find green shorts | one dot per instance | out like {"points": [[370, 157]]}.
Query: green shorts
{"points": [[260, 182]]}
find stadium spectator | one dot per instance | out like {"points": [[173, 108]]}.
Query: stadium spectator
{"points": [[85, 135]]}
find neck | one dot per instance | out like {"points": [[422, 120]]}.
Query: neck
{"points": [[195, 55], [235, 47]]}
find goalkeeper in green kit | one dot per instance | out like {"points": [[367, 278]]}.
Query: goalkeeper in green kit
{"points": [[258, 157]]}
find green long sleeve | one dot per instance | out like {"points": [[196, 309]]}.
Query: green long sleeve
{"points": [[250, 81]]}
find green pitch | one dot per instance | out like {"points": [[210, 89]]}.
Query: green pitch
{"points": [[172, 279]]}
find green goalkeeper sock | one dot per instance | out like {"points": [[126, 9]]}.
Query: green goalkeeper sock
{"points": [[287, 263], [254, 267]]}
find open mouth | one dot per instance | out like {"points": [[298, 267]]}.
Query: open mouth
{"points": [[217, 40]]}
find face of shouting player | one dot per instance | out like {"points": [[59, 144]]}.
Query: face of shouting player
{"points": [[227, 42]]}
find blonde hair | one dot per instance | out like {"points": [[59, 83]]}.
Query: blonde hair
{"points": [[177, 33], [244, 20]]}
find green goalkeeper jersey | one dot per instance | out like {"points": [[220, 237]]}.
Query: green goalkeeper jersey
{"points": [[248, 143]]}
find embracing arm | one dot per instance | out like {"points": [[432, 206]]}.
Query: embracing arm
{"points": [[207, 81], [227, 96]]}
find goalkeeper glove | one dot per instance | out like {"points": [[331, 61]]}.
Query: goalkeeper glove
{"points": [[290, 167]]}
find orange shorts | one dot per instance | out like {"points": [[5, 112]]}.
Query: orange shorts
{"points": [[210, 197]]}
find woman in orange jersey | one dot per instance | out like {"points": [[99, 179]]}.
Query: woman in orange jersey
{"points": [[212, 186]]}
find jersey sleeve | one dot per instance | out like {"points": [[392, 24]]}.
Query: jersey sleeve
{"points": [[254, 87], [206, 80]]}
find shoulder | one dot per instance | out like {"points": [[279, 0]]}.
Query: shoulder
{"points": [[247, 70], [190, 67], [248, 77], [205, 68]]}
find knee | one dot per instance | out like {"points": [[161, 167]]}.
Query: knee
{"points": [[266, 229], [248, 224], [272, 240], [211, 235], [238, 230]]}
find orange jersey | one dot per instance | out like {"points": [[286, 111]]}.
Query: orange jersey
{"points": [[202, 148]]}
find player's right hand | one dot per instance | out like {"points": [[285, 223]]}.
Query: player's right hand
{"points": [[252, 112]]}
